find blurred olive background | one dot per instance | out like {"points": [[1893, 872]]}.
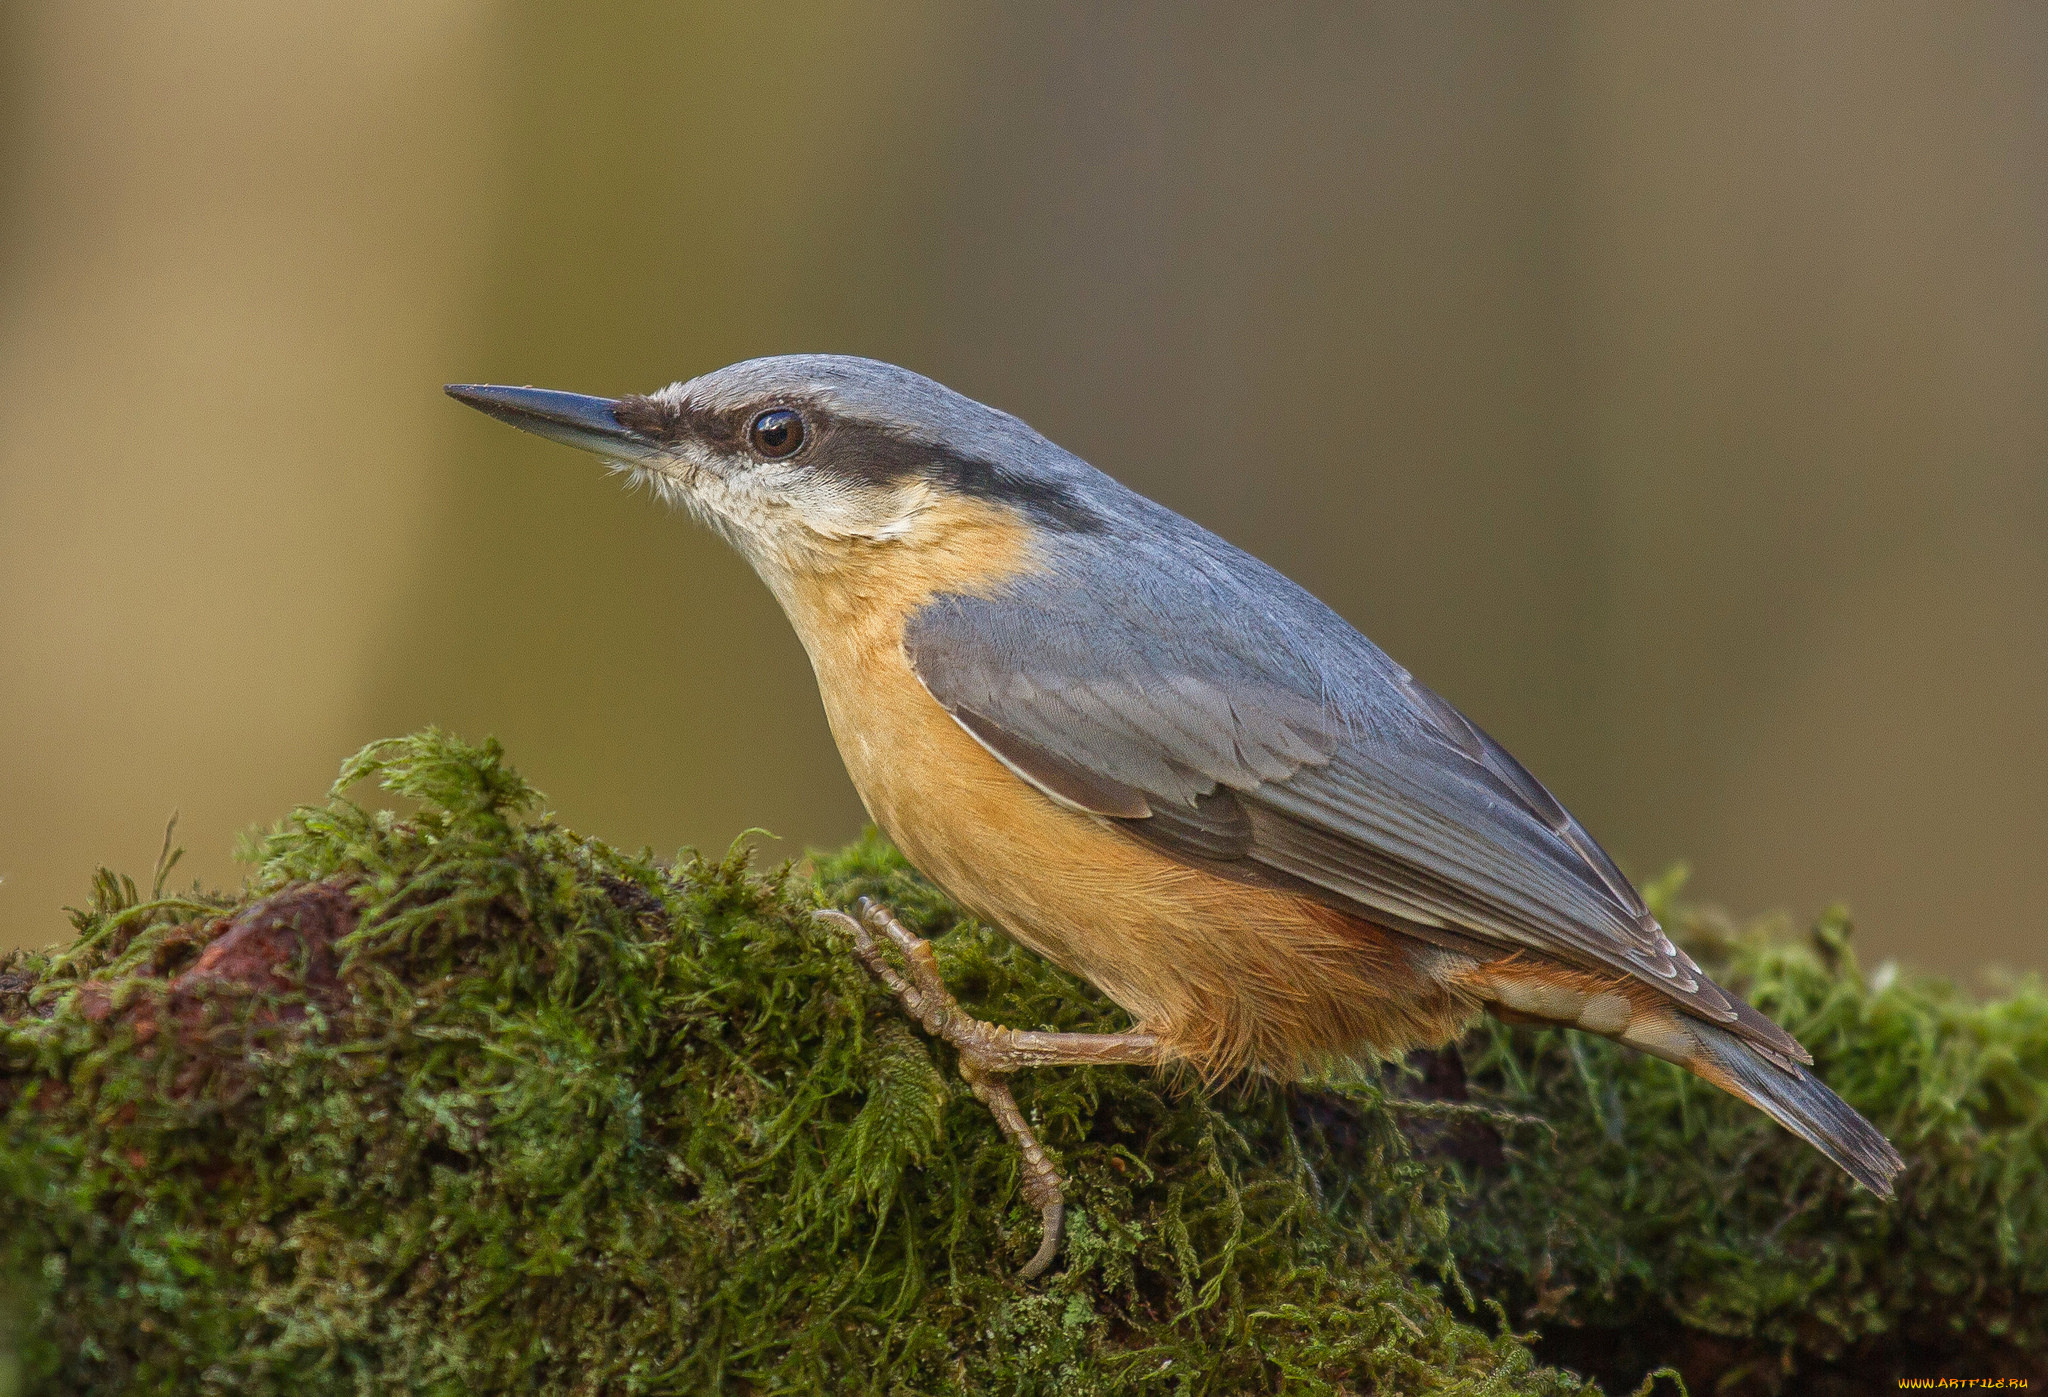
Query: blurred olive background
{"points": [[1668, 386]]}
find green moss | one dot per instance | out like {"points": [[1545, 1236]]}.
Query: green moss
{"points": [[583, 1122], [550, 1116], [1665, 1221]]}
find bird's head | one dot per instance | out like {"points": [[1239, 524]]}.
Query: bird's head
{"points": [[817, 463]]}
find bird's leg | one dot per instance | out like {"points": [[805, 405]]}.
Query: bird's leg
{"points": [[989, 1053]]}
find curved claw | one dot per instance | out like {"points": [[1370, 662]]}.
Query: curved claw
{"points": [[987, 1053], [1053, 1217]]}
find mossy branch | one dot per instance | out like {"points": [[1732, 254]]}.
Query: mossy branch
{"points": [[459, 1100]]}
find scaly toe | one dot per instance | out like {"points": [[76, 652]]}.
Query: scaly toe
{"points": [[983, 1056], [922, 960]]}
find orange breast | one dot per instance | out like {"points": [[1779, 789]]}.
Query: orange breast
{"points": [[1227, 974]]}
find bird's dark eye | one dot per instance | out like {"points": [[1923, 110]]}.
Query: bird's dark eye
{"points": [[776, 433]]}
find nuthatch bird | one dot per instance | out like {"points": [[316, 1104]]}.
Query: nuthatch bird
{"points": [[1157, 762]]}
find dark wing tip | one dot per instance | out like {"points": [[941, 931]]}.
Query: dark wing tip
{"points": [[1804, 1105]]}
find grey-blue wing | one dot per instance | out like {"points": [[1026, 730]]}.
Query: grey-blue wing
{"points": [[1225, 717]]}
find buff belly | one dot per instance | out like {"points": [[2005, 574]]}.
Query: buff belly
{"points": [[1228, 975]]}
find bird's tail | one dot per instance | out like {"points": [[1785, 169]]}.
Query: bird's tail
{"points": [[1755, 1061], [1796, 1099]]}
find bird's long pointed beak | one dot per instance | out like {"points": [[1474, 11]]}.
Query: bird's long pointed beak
{"points": [[573, 419]]}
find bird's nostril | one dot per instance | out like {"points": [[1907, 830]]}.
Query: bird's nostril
{"points": [[657, 419]]}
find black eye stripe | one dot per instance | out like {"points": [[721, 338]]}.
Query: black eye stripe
{"points": [[776, 433], [859, 453]]}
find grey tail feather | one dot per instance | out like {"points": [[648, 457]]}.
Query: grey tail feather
{"points": [[1802, 1103]]}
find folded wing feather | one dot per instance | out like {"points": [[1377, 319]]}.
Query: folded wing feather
{"points": [[1328, 767]]}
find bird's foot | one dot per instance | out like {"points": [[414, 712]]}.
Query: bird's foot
{"points": [[983, 1063], [988, 1052]]}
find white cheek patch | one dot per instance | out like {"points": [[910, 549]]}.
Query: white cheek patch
{"points": [[787, 508], [907, 506], [839, 509], [775, 511]]}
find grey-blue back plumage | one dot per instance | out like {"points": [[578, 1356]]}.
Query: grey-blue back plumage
{"points": [[1254, 727]]}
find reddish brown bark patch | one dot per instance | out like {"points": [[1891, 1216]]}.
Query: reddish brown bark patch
{"points": [[285, 942], [278, 952]]}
